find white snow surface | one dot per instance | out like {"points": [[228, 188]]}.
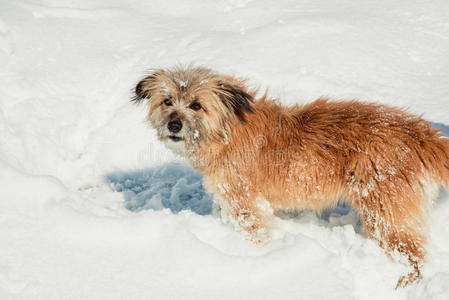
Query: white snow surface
{"points": [[92, 206]]}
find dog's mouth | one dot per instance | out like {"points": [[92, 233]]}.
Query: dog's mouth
{"points": [[175, 138]]}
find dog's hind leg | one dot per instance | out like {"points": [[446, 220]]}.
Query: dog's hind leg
{"points": [[396, 235], [393, 211], [396, 221]]}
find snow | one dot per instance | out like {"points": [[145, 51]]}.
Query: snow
{"points": [[92, 206]]}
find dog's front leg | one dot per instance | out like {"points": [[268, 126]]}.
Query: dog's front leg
{"points": [[249, 215], [239, 205]]}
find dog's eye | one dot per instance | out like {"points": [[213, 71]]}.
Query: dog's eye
{"points": [[168, 102], [195, 106]]}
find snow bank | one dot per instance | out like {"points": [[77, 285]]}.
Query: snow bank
{"points": [[92, 206]]}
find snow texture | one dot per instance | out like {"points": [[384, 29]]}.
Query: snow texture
{"points": [[92, 206]]}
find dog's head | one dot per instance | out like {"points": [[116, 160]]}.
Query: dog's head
{"points": [[192, 105]]}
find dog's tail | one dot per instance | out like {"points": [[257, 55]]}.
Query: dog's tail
{"points": [[435, 156]]}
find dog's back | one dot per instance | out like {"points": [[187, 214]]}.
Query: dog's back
{"points": [[388, 164]]}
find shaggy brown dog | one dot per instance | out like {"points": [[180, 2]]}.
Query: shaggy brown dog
{"points": [[259, 156]]}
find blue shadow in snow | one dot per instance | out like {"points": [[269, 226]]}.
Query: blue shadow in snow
{"points": [[444, 127], [175, 186], [178, 187]]}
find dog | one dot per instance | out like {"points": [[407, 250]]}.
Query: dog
{"points": [[258, 156]]}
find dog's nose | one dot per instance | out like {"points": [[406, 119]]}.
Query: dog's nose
{"points": [[174, 126]]}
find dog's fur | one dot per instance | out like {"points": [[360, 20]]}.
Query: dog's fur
{"points": [[260, 156]]}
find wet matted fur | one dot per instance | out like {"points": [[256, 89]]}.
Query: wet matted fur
{"points": [[258, 156]]}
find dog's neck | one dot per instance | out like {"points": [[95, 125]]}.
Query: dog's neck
{"points": [[212, 153], [207, 154]]}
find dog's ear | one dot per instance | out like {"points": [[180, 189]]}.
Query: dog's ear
{"points": [[235, 98], [145, 88]]}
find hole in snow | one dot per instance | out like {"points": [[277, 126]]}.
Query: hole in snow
{"points": [[175, 186]]}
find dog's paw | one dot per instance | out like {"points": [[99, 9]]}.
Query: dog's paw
{"points": [[259, 237], [254, 227], [408, 279]]}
